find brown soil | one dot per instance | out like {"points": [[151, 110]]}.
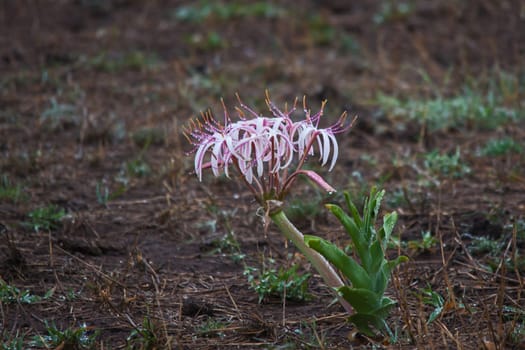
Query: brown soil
{"points": [[91, 92]]}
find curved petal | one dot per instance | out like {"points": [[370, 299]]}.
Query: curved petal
{"points": [[199, 158], [335, 152], [325, 151], [216, 160]]}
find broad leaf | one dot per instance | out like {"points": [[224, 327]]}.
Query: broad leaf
{"points": [[362, 300], [370, 325], [346, 264], [363, 322], [380, 280], [377, 257]]}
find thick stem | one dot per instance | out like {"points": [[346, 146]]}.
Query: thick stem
{"points": [[330, 277]]}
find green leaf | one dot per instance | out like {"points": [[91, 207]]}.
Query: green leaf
{"points": [[377, 199], [380, 281], [353, 210], [362, 300], [367, 224], [386, 305], [351, 228], [377, 257], [392, 264], [370, 277], [346, 264], [435, 314], [436, 300], [49, 293], [389, 221], [363, 322], [372, 323]]}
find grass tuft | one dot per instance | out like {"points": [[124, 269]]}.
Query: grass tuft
{"points": [[10, 191], [45, 218], [501, 146], [474, 108], [283, 283]]}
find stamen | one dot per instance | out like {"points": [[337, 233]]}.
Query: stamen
{"points": [[242, 116], [227, 119], [186, 135], [246, 107]]}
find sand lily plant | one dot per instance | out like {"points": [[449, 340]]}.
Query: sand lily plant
{"points": [[268, 154], [368, 280]]}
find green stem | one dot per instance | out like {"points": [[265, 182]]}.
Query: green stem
{"points": [[330, 277]]}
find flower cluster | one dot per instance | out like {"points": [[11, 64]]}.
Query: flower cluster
{"points": [[263, 148]]}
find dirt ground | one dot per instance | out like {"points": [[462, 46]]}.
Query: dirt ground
{"points": [[93, 98]]}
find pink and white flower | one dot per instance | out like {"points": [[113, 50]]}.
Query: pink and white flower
{"points": [[263, 148]]}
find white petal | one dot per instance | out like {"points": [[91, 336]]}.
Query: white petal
{"points": [[335, 152], [215, 159], [326, 148], [199, 158]]}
